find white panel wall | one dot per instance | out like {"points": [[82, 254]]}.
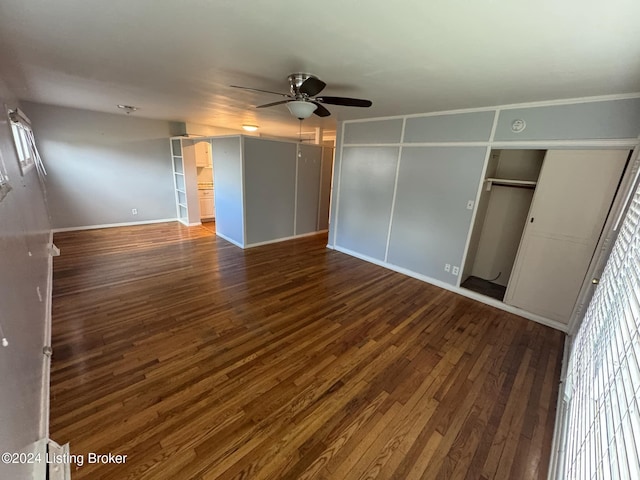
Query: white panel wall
{"points": [[270, 189], [325, 188], [24, 235], [227, 165], [366, 194], [335, 186], [431, 218], [587, 120], [308, 188]]}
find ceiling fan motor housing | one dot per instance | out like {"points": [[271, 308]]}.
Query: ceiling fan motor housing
{"points": [[295, 81]]}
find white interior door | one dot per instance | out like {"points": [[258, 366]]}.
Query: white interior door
{"points": [[570, 205]]}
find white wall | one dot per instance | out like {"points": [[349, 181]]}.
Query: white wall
{"points": [[227, 165], [102, 165], [24, 236]]}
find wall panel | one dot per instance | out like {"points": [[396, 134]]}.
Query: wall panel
{"points": [[366, 193], [227, 164], [335, 186], [270, 178], [460, 127], [325, 188], [379, 131], [102, 165], [581, 121], [308, 189], [431, 220]]}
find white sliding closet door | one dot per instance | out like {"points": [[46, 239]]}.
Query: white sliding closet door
{"points": [[570, 206]]}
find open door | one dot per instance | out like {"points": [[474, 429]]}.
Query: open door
{"points": [[570, 205]]}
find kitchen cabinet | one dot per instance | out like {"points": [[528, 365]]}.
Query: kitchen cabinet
{"points": [[202, 151], [207, 204]]}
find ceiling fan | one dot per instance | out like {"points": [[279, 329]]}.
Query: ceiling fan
{"points": [[302, 101]]}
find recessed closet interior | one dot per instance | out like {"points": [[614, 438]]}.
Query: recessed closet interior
{"points": [[539, 219], [503, 208]]}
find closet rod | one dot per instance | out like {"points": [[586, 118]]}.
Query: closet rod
{"points": [[509, 183]]}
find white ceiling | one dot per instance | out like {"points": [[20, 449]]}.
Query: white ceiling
{"points": [[176, 59]]}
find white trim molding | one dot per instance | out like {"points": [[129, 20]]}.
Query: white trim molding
{"points": [[110, 225], [230, 240], [284, 239]]}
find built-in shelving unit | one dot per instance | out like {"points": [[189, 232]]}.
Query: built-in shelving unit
{"points": [[182, 208]]}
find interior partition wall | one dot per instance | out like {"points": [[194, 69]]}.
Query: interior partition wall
{"points": [[267, 190]]}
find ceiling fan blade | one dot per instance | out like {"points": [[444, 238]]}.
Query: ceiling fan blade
{"points": [[321, 111], [260, 90], [273, 104], [312, 86], [347, 102]]}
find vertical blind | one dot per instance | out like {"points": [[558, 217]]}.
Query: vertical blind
{"points": [[603, 377]]}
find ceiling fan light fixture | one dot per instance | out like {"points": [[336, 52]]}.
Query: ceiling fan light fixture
{"points": [[250, 128], [300, 109]]}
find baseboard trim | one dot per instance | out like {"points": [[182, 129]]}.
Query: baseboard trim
{"points": [[111, 225], [460, 291], [230, 240], [284, 239]]}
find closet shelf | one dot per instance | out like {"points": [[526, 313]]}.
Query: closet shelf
{"points": [[509, 183]]}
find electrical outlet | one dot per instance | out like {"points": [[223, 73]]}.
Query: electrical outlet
{"points": [[455, 270], [134, 211], [447, 267], [470, 204]]}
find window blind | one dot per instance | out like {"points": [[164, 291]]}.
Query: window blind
{"points": [[25, 143], [603, 378]]}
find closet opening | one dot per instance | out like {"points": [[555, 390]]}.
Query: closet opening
{"points": [[503, 209]]}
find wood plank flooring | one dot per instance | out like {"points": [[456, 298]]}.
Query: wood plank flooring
{"points": [[199, 360]]}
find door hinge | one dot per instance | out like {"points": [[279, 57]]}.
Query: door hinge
{"points": [[47, 351]]}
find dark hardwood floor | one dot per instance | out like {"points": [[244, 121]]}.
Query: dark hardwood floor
{"points": [[199, 360]]}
